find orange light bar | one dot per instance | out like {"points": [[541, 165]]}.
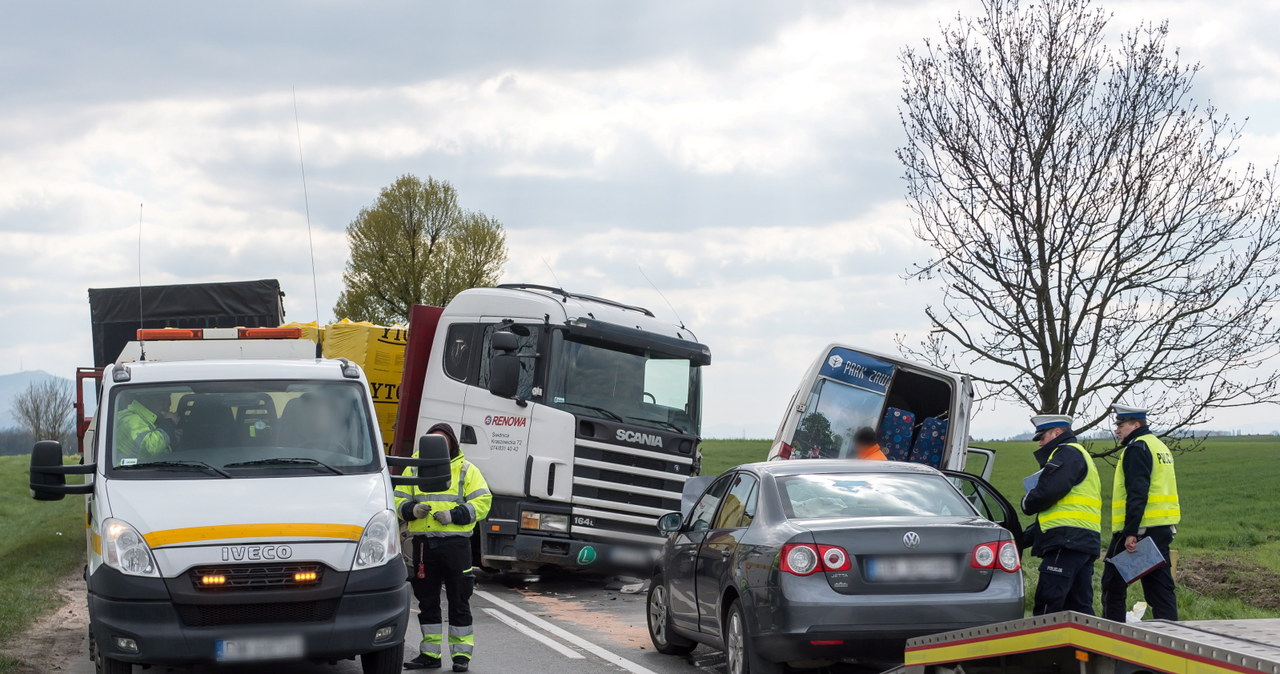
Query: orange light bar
{"points": [[213, 580], [305, 577], [270, 333], [169, 333]]}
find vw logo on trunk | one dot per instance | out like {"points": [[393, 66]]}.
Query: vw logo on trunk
{"points": [[911, 539]]}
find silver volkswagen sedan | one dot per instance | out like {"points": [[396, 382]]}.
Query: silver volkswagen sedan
{"points": [[805, 563]]}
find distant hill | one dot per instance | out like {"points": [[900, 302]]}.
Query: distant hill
{"points": [[13, 384]]}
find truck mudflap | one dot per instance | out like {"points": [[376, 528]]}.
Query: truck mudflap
{"points": [[1069, 638]]}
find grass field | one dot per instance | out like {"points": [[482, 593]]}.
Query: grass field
{"points": [[1228, 541], [40, 542]]}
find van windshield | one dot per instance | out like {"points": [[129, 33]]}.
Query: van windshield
{"points": [[848, 394], [623, 384], [231, 429]]}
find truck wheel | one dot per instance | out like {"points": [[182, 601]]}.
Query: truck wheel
{"points": [[658, 613], [739, 648], [385, 661]]}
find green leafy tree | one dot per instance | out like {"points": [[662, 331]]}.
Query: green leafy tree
{"points": [[415, 245]]}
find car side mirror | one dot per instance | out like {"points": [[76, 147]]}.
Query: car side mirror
{"points": [[504, 375], [433, 473], [670, 523], [48, 480]]}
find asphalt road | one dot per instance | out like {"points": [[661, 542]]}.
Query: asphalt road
{"points": [[567, 625]]}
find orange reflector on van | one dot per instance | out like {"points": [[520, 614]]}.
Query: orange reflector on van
{"points": [[169, 333], [305, 577], [270, 333], [210, 581]]}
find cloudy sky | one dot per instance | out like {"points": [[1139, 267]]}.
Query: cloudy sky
{"points": [[741, 153]]}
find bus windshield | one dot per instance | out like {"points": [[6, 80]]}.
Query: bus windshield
{"points": [[623, 384], [240, 429], [848, 394]]}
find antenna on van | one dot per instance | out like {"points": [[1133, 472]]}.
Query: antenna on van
{"points": [[306, 202], [664, 297], [142, 345]]}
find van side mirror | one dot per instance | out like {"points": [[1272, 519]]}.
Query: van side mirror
{"points": [[670, 523], [431, 468], [49, 477], [504, 374]]}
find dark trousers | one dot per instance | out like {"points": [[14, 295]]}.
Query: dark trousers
{"points": [[1157, 586], [1066, 582], [442, 561]]}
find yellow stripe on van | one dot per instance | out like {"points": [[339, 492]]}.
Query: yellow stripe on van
{"points": [[157, 539]]}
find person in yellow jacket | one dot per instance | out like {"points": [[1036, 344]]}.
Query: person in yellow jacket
{"points": [[440, 525], [1144, 504], [1067, 503], [144, 428]]}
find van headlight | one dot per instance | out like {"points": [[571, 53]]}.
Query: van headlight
{"points": [[380, 542], [124, 549]]}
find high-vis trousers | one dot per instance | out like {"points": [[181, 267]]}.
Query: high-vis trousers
{"points": [[443, 561]]}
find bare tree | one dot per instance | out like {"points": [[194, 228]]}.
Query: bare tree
{"points": [[1093, 236], [44, 409]]}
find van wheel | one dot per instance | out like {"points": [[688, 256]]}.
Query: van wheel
{"points": [[658, 614], [739, 648], [385, 661]]}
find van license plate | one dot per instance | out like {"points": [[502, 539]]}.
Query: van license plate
{"points": [[893, 569], [259, 648]]}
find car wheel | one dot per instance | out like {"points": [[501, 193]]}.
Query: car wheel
{"points": [[385, 661], [739, 649], [658, 612]]}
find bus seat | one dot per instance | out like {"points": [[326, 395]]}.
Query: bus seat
{"points": [[895, 433], [930, 443]]}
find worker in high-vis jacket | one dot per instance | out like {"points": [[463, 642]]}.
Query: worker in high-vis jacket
{"points": [[144, 427], [866, 445], [1067, 503], [440, 526], [1144, 504]]}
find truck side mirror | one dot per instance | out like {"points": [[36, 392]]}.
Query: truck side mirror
{"points": [[505, 342], [504, 374], [433, 473], [48, 475]]}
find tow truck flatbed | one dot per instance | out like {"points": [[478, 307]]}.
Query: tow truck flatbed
{"points": [[1073, 642]]}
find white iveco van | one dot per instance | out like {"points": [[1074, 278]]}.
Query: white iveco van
{"points": [[238, 508]]}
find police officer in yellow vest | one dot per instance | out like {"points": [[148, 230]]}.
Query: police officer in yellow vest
{"points": [[1067, 503], [440, 525], [1144, 504]]}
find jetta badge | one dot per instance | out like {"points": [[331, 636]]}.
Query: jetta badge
{"points": [[911, 539]]}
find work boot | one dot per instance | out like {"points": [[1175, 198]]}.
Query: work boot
{"points": [[423, 661], [460, 664]]}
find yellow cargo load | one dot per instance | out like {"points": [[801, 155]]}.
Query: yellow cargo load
{"points": [[378, 350]]}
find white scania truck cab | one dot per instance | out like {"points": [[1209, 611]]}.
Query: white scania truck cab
{"points": [[583, 414], [238, 507]]}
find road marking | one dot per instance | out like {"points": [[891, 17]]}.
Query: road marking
{"points": [[565, 634], [529, 632]]}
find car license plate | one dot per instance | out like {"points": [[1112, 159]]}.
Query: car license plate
{"points": [[259, 648], [890, 569]]}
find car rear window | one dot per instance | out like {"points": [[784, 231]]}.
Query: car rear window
{"points": [[825, 496]]}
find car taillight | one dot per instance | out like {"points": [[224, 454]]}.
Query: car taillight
{"points": [[834, 558], [1001, 555], [784, 452], [984, 556], [803, 559], [1008, 557]]}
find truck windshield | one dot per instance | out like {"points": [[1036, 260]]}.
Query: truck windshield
{"points": [[231, 429], [621, 383]]}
